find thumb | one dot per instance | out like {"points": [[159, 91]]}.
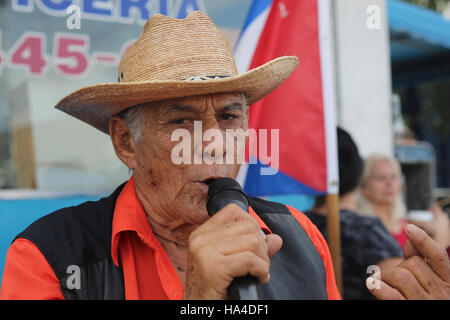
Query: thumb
{"points": [[274, 243]]}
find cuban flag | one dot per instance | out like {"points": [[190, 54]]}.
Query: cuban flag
{"points": [[302, 108]]}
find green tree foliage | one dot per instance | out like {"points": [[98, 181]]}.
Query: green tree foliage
{"points": [[436, 5]]}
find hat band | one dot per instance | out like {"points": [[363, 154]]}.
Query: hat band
{"points": [[196, 78], [199, 78]]}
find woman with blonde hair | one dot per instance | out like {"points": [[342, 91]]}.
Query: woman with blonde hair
{"points": [[380, 194]]}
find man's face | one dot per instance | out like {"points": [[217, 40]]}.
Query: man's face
{"points": [[178, 191]]}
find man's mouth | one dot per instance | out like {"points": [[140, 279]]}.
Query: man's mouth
{"points": [[206, 182]]}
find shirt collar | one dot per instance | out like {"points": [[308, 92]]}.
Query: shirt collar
{"points": [[129, 215]]}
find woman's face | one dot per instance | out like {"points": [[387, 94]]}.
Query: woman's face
{"points": [[383, 184]]}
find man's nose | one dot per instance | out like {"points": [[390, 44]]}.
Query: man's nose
{"points": [[212, 144]]}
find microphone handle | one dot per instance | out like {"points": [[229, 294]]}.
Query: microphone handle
{"points": [[222, 203], [243, 288]]}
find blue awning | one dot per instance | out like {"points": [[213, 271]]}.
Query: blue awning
{"points": [[419, 42], [415, 31]]}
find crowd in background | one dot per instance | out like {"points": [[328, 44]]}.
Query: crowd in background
{"points": [[373, 216]]}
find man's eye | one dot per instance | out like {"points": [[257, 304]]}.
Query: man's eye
{"points": [[228, 116], [181, 121]]}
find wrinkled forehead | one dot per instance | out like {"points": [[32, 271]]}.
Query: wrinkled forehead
{"points": [[197, 103]]}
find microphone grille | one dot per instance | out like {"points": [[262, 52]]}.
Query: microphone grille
{"points": [[224, 191]]}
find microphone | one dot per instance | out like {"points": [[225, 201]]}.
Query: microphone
{"points": [[222, 192]]}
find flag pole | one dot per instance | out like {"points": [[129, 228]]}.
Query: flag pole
{"points": [[327, 63], [334, 237]]}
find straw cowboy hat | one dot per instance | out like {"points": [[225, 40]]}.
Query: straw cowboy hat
{"points": [[174, 58]]}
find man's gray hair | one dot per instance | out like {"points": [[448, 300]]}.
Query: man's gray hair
{"points": [[134, 118]]}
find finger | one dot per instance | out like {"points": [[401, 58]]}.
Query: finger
{"points": [[422, 271], [244, 263], [231, 238], [244, 237], [409, 250], [246, 226], [274, 244], [230, 213], [247, 242], [234, 213], [405, 282], [436, 256], [383, 291], [243, 226], [427, 226]]}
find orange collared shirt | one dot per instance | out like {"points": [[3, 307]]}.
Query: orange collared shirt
{"points": [[148, 271]]}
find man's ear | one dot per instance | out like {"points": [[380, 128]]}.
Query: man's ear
{"points": [[123, 142]]}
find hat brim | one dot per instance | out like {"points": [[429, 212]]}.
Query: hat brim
{"points": [[96, 104]]}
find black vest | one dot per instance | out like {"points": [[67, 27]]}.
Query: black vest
{"points": [[80, 236]]}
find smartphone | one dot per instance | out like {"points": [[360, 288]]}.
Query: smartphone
{"points": [[420, 215]]}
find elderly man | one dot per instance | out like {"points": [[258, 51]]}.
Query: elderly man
{"points": [[152, 238]]}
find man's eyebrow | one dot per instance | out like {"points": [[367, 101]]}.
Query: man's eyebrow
{"points": [[178, 107], [234, 106], [229, 107]]}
